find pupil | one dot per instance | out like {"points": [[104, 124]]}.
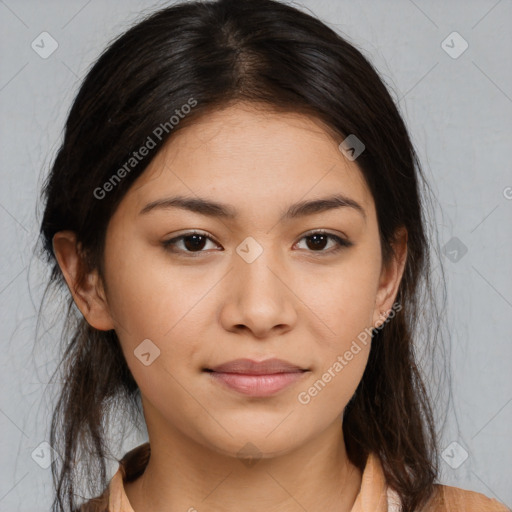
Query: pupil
{"points": [[316, 239], [196, 243]]}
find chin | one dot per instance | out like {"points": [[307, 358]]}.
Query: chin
{"points": [[262, 441]]}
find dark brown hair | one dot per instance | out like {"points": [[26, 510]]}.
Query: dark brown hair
{"points": [[217, 53]]}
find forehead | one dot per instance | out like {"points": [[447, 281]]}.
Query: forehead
{"points": [[249, 155]]}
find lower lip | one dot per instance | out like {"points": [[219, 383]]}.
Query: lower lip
{"points": [[257, 385]]}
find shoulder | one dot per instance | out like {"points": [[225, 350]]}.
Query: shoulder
{"points": [[454, 499], [98, 504], [113, 498]]}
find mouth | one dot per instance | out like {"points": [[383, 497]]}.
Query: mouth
{"points": [[257, 379]]}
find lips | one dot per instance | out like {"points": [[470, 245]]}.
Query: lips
{"points": [[250, 367], [258, 379]]}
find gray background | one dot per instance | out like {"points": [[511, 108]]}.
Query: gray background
{"points": [[459, 114]]}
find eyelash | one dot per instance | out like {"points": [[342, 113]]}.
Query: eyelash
{"points": [[340, 242]]}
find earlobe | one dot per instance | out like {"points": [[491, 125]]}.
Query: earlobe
{"points": [[390, 277], [85, 286]]}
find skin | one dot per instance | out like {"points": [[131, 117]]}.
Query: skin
{"points": [[296, 302]]}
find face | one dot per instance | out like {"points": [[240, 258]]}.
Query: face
{"points": [[256, 267]]}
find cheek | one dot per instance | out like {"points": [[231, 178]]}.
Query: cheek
{"points": [[330, 389], [343, 297], [345, 305], [150, 298], [344, 300]]}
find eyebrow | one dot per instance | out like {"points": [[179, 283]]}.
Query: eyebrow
{"points": [[211, 208]]}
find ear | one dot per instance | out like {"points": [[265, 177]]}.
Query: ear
{"points": [[87, 291], [390, 277]]}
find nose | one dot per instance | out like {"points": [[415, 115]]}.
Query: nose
{"points": [[259, 298]]}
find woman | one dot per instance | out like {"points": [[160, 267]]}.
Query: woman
{"points": [[236, 211]]}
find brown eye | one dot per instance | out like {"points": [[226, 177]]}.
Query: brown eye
{"points": [[188, 243], [194, 242], [318, 241]]}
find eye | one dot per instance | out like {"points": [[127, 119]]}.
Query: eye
{"points": [[317, 241], [195, 242], [192, 242]]}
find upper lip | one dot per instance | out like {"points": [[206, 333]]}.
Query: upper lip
{"points": [[250, 367]]}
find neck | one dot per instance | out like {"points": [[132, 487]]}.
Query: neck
{"points": [[184, 475]]}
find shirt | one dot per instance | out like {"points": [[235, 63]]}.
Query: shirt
{"points": [[374, 494]]}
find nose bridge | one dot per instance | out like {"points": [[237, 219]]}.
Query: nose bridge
{"points": [[255, 269], [260, 298]]}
